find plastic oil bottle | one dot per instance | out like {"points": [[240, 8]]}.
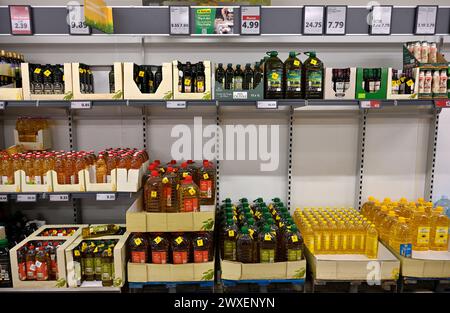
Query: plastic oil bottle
{"points": [[368, 206], [308, 235], [228, 241], [245, 246], [201, 247], [293, 77], [267, 245], [439, 230], [207, 183], [7, 171], [420, 225], [160, 249], [386, 225], [153, 193], [313, 77], [180, 249], [400, 238], [371, 239], [170, 183], [188, 196], [100, 169], [294, 244], [273, 76]]}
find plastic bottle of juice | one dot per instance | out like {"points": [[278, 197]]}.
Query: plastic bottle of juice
{"points": [[371, 238], [188, 196], [107, 267], [386, 225], [245, 250], [139, 248], [293, 76], [207, 183], [41, 265], [160, 248], [180, 249], [313, 77], [267, 245], [201, 246], [439, 230], [228, 241], [170, 185], [100, 170], [273, 76], [400, 238], [153, 193], [420, 227]]}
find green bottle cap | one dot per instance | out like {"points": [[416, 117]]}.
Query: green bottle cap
{"points": [[229, 221], [251, 221], [311, 54], [238, 66], [244, 200], [227, 200], [294, 228], [276, 200], [259, 200], [248, 215], [244, 230], [266, 228], [272, 53], [293, 54], [267, 215]]}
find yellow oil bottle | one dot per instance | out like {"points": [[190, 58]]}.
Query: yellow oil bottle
{"points": [[361, 237], [308, 237], [380, 216], [352, 234], [326, 237], [400, 236], [317, 237], [343, 234], [368, 206], [439, 230], [335, 237], [420, 227], [386, 225], [371, 247]]}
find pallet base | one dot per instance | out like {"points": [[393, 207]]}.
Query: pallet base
{"points": [[416, 284], [356, 286], [263, 286], [172, 287]]}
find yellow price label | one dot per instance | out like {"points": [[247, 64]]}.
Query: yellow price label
{"points": [[157, 240], [109, 252], [231, 233], [76, 253], [296, 62], [278, 218], [137, 241], [178, 186], [275, 75], [187, 82], [205, 176], [294, 238], [96, 250], [37, 71], [192, 191], [185, 174], [141, 73], [165, 180], [81, 71], [200, 242], [313, 62], [267, 237], [200, 85], [153, 194], [179, 240], [410, 83], [251, 232], [54, 232], [47, 73]]}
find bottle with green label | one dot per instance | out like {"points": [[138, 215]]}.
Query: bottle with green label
{"points": [[293, 77], [107, 267], [267, 245], [229, 238], [313, 77], [293, 244], [273, 76]]}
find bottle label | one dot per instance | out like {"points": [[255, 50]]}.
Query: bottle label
{"points": [[167, 195], [294, 254], [201, 256], [229, 250], [31, 270], [314, 80], [200, 242], [72, 179], [41, 271], [89, 266], [296, 62], [293, 80], [153, 194], [441, 237], [231, 233], [267, 237], [206, 189], [423, 235], [53, 264], [267, 255], [406, 250], [238, 83], [98, 265], [159, 257], [106, 270], [294, 238], [180, 257], [138, 257], [190, 205], [274, 80], [200, 86], [22, 271]]}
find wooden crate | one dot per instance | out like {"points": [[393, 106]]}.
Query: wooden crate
{"points": [[43, 140], [36, 234], [207, 95], [16, 187], [48, 187], [81, 186]]}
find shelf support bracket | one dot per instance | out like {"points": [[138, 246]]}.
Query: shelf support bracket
{"points": [[360, 159]]}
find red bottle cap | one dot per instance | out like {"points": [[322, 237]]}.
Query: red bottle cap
{"points": [[184, 164], [187, 179], [170, 169], [155, 174], [205, 163]]}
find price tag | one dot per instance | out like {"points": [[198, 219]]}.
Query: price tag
{"points": [[176, 104], [336, 20], [266, 104], [313, 20], [370, 104], [3, 198], [442, 103], [106, 197], [250, 20], [59, 198], [240, 95], [76, 20], [2, 105], [381, 20], [20, 16], [179, 20], [426, 17], [26, 198], [80, 104]]}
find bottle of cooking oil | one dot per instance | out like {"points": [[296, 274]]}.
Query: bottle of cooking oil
{"points": [[344, 237], [308, 237], [420, 225], [313, 77], [371, 248], [317, 237], [380, 216], [439, 230], [326, 237], [273, 76], [360, 237], [293, 77], [386, 225], [353, 235], [335, 237], [368, 206], [400, 238]]}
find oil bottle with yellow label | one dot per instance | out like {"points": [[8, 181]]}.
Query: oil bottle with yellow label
{"points": [[273, 76]]}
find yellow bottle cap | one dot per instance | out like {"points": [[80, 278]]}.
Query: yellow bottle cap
{"points": [[401, 219]]}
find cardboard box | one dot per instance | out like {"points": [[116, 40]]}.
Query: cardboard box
{"points": [[354, 266], [362, 94], [26, 85], [120, 258], [177, 95], [9, 92], [409, 61], [331, 94], [131, 180], [16, 187], [60, 256], [140, 221], [263, 271], [91, 185], [118, 85], [132, 92], [414, 95], [37, 233], [48, 187], [221, 93], [81, 186], [43, 140]]}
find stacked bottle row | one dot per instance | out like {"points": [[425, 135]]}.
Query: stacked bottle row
{"points": [[58, 232], [238, 79], [147, 77], [403, 82], [28, 127], [337, 231], [176, 187], [257, 233], [87, 78], [407, 226], [424, 52], [191, 77], [46, 79], [341, 80], [433, 81], [171, 248], [13, 59]]}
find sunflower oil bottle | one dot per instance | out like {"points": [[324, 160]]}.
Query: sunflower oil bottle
{"points": [[308, 237], [371, 248], [386, 225], [367, 207], [420, 225], [400, 238], [439, 230]]}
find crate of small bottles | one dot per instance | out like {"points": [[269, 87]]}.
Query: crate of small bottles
{"points": [[235, 83], [260, 242], [39, 261], [177, 197], [35, 171], [10, 178], [98, 257], [340, 83], [403, 84], [10, 76], [342, 244], [171, 257], [192, 81], [147, 82], [416, 232], [371, 83], [101, 82], [47, 81], [33, 133]]}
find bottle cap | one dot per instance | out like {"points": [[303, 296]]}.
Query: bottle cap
{"points": [[187, 179], [244, 230], [155, 173], [292, 54], [272, 53]]}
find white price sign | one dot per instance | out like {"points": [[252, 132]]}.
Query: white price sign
{"points": [[26, 198], [266, 104], [240, 95], [106, 197], [381, 20], [336, 20], [250, 20], [2, 105], [80, 104], [313, 20], [57, 198], [176, 104], [426, 17], [20, 16], [179, 20], [3, 198], [77, 23]]}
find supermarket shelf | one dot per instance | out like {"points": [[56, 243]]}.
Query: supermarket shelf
{"points": [[63, 290], [171, 284], [72, 195], [229, 283]]}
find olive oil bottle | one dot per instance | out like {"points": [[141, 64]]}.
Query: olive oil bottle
{"points": [[273, 76], [313, 77], [293, 77]]}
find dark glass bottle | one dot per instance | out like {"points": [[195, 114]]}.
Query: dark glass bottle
{"points": [[220, 75], [229, 77]]}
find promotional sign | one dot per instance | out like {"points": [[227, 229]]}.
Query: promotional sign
{"points": [[313, 20], [98, 15], [426, 20], [336, 20], [214, 21], [77, 23], [21, 22], [179, 20], [250, 20], [381, 20]]}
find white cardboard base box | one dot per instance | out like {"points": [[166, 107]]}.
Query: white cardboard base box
{"points": [[329, 92], [353, 266], [131, 180], [414, 95], [16, 187], [91, 185], [80, 187], [7, 93], [43, 140], [48, 187]]}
